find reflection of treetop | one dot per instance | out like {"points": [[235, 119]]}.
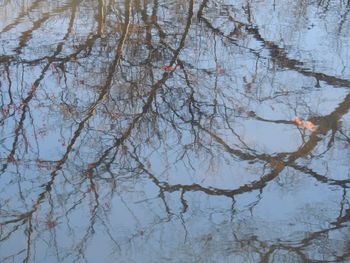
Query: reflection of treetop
{"points": [[178, 100]]}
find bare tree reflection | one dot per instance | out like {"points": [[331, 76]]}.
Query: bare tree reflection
{"points": [[170, 122]]}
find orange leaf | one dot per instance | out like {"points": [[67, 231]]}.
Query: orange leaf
{"points": [[168, 68], [309, 126], [305, 125], [297, 121]]}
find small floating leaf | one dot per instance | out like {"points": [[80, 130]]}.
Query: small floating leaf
{"points": [[305, 125], [168, 68]]}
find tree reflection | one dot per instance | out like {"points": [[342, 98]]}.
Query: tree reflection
{"points": [[126, 123]]}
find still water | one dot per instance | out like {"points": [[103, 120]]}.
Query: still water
{"points": [[174, 131]]}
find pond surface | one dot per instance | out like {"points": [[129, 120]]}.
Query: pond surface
{"points": [[174, 131]]}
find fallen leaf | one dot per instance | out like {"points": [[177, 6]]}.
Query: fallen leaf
{"points": [[305, 125], [5, 111], [50, 224], [168, 68], [297, 121], [309, 126], [248, 87]]}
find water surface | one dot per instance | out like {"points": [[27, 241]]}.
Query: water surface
{"points": [[164, 131]]}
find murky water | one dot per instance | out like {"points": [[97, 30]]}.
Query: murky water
{"points": [[174, 131]]}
